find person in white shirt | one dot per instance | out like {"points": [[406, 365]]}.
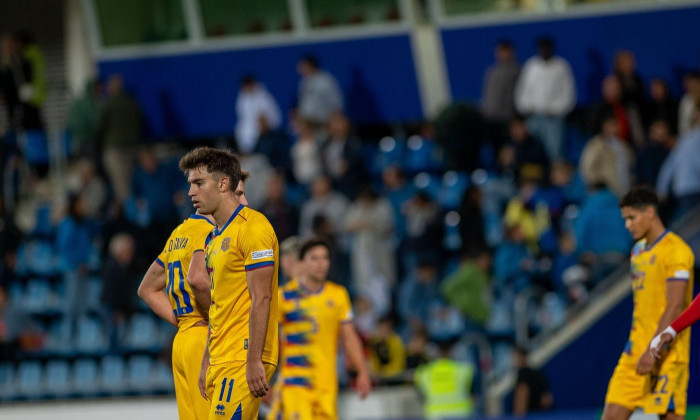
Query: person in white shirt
{"points": [[253, 104], [319, 93], [545, 93], [686, 108]]}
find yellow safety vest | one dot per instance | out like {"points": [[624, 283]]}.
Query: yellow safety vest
{"points": [[446, 386]]}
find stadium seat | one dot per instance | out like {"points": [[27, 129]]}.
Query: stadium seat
{"points": [[142, 333], [58, 378], [419, 155], [36, 257], [428, 184], [140, 374], [30, 383], [452, 240], [452, 189], [89, 337], [94, 293], [112, 375], [7, 382], [85, 377], [500, 321], [58, 340], [37, 295], [35, 146], [390, 152], [164, 382]]}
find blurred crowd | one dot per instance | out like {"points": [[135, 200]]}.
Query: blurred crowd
{"points": [[485, 223]]}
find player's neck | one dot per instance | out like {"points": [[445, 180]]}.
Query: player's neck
{"points": [[310, 284], [224, 212], [655, 232]]}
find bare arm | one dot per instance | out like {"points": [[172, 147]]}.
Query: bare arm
{"points": [[151, 291], [198, 278], [353, 346], [203, 371], [520, 397], [260, 289]]}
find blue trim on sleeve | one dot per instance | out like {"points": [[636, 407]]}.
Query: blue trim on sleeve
{"points": [[648, 247], [197, 250], [259, 265], [233, 216], [200, 217], [676, 279], [159, 262]]}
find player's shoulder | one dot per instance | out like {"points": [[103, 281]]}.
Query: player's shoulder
{"points": [[676, 244], [335, 289], [197, 224], [252, 217]]}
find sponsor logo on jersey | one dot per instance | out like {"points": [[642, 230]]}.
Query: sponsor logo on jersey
{"points": [[265, 253]]}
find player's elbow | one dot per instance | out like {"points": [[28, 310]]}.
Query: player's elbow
{"points": [[198, 281], [142, 292]]}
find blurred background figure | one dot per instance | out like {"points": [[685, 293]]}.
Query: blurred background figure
{"points": [[257, 111], [531, 388]]}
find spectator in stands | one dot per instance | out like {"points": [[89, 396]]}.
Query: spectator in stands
{"points": [[16, 327], [606, 159], [514, 264], [116, 223], [601, 238], [365, 317], [370, 223], [531, 158], [545, 93], [74, 238], [10, 239], [260, 171], [416, 295], [471, 219], [341, 154], [651, 157], [565, 178], [14, 69], [324, 201], [256, 109], [153, 187], [306, 156], [565, 258], [119, 135], [282, 214], [319, 93], [528, 209], [33, 88], [424, 230], [120, 282], [613, 105], [289, 258], [398, 192], [387, 353], [625, 70], [468, 289], [662, 105], [84, 120], [90, 187], [498, 91], [417, 351], [531, 387], [680, 174], [446, 386], [687, 109]]}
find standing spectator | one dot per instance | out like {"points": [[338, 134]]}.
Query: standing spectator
{"points": [[120, 282], [498, 91], [255, 107], [84, 121], [625, 70], [319, 93], [531, 159], [283, 215], [446, 386], [33, 90], [471, 225], [662, 105], [417, 350], [387, 352], [153, 187], [514, 263], [91, 188], [468, 288], [74, 237], [531, 388], [324, 201], [613, 104], [306, 156], [398, 192], [606, 159], [423, 230], [10, 239], [546, 93], [119, 133], [16, 81], [342, 156], [417, 295], [687, 110], [651, 158], [370, 221]]}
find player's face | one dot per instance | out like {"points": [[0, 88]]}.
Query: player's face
{"points": [[637, 221], [205, 191], [240, 193], [316, 262]]}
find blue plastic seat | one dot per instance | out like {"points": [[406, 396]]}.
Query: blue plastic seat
{"points": [[85, 377], [140, 374], [112, 375], [452, 239], [35, 146], [89, 338], [29, 378], [428, 184], [58, 340], [37, 295], [390, 152], [142, 333], [452, 189], [164, 378], [8, 389], [58, 378]]}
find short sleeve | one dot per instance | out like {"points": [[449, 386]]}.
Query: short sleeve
{"points": [[679, 264], [257, 243], [344, 306], [162, 258]]}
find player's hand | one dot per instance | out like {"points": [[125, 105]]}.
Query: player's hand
{"points": [[363, 384], [203, 381], [257, 381], [660, 343], [645, 363]]}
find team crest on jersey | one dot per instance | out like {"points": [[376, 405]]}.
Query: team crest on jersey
{"points": [[225, 244], [330, 303], [652, 260]]}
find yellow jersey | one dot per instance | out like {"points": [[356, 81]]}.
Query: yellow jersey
{"points": [[310, 325], [186, 239], [246, 242], [669, 258]]}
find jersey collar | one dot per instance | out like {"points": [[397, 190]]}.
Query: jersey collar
{"points": [[648, 247], [233, 216], [200, 217]]}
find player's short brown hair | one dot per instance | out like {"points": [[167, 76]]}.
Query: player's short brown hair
{"points": [[640, 197], [216, 161], [310, 244]]}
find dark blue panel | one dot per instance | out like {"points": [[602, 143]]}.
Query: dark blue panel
{"points": [[195, 94], [666, 43]]}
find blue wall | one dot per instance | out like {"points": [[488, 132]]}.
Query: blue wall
{"points": [[666, 43], [194, 94]]}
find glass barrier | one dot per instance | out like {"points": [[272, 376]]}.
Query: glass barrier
{"points": [[466, 7], [324, 13], [238, 17], [128, 22]]}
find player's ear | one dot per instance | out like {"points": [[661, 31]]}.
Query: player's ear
{"points": [[224, 184]]}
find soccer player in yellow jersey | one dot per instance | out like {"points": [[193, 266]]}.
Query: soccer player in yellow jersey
{"points": [[242, 261], [314, 314], [662, 283], [182, 306]]}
